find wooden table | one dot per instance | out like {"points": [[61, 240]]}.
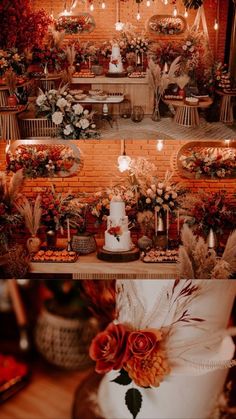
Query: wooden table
{"points": [[49, 395], [226, 106], [187, 115], [49, 82], [111, 99], [4, 92], [89, 267]]}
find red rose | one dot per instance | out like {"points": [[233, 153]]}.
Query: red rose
{"points": [[142, 343], [109, 348]]}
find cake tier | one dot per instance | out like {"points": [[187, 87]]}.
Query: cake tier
{"points": [[178, 397], [121, 222], [192, 387], [115, 51], [116, 68], [123, 244], [117, 209]]}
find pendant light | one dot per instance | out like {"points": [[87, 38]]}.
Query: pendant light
{"points": [[160, 145], [123, 160], [103, 5], [118, 25]]}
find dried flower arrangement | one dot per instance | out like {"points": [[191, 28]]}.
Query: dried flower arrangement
{"points": [[31, 214], [196, 261]]}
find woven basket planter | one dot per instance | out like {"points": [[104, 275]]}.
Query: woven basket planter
{"points": [[65, 342]]}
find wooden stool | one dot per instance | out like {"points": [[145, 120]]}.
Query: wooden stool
{"points": [[187, 116], [9, 125], [226, 110]]}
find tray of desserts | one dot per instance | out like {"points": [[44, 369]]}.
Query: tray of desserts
{"points": [[14, 375], [54, 255], [83, 74], [160, 256], [137, 75]]}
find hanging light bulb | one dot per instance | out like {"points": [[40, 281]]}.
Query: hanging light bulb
{"points": [[165, 2], [123, 160], [119, 26], [175, 11], [160, 145], [91, 7], [103, 5], [185, 12], [148, 3], [227, 142], [216, 25], [138, 17]]}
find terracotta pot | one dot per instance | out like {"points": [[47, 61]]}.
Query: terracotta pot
{"points": [[33, 244], [12, 100]]}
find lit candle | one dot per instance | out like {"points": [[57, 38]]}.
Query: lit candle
{"points": [[155, 218], [68, 229]]}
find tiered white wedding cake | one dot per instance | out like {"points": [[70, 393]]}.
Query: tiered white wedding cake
{"points": [[117, 235], [193, 316], [115, 65]]}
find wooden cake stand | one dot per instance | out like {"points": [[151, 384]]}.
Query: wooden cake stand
{"points": [[128, 256]]}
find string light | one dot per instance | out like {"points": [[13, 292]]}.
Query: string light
{"points": [[186, 12], [216, 25], [138, 17], [165, 2], [148, 3], [119, 26], [91, 7], [103, 5], [160, 145], [175, 11]]}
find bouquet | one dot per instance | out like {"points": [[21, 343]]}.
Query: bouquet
{"points": [[207, 210], [72, 120], [11, 59], [52, 58], [210, 162]]}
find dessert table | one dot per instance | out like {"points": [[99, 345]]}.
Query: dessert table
{"points": [[136, 89], [187, 115], [89, 267]]}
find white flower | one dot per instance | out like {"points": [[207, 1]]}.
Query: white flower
{"points": [[168, 188], [86, 112], [159, 200], [40, 100], [93, 126], [83, 123], [148, 201], [174, 195], [191, 49], [160, 185], [171, 204], [68, 129], [149, 191], [166, 196], [188, 43], [57, 118], [159, 191], [78, 109], [157, 208], [184, 47], [52, 92], [153, 187], [62, 103]]}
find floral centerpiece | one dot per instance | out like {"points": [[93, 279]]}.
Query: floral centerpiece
{"points": [[11, 59], [209, 211], [73, 120], [51, 58], [161, 196], [210, 162], [42, 160], [75, 24], [56, 209]]}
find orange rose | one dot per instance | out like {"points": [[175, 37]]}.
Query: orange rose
{"points": [[142, 343], [109, 348]]}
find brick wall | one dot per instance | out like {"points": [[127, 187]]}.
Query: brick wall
{"points": [[100, 166], [105, 19]]}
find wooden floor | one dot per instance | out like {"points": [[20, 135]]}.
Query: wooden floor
{"points": [[49, 395]]}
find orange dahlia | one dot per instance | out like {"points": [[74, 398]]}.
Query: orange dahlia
{"points": [[149, 371]]}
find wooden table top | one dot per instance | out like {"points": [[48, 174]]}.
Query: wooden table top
{"points": [[89, 267], [177, 103], [49, 395]]}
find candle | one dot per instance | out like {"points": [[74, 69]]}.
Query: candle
{"points": [[178, 223], [155, 215], [68, 230], [167, 219]]}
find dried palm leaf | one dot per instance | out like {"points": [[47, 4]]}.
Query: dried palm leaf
{"points": [[15, 186], [185, 265]]}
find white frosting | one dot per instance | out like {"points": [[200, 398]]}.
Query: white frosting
{"points": [[115, 56], [117, 218], [186, 393]]}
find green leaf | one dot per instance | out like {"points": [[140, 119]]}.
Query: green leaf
{"points": [[123, 379], [133, 400]]}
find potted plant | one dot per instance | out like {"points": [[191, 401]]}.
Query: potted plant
{"points": [[32, 217], [65, 326]]}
